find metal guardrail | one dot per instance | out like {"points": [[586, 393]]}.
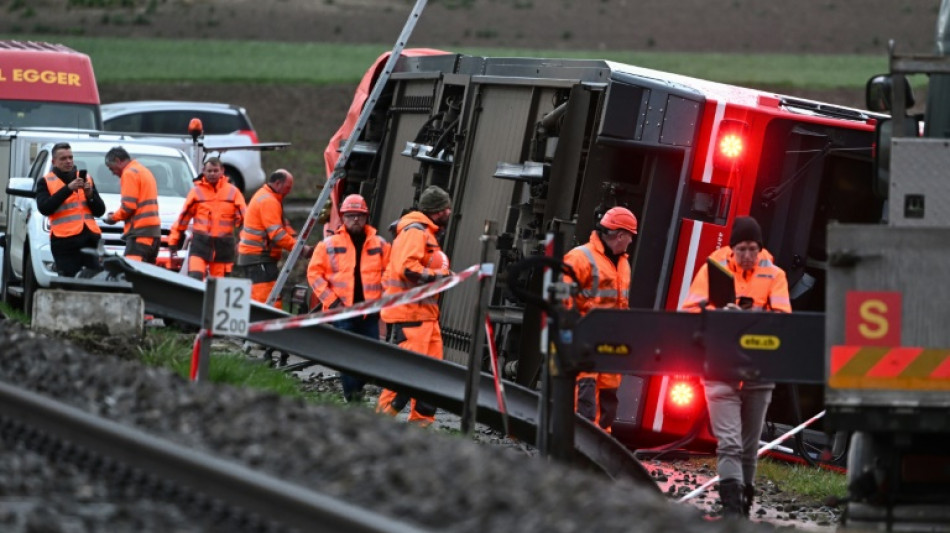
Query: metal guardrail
{"points": [[439, 383]]}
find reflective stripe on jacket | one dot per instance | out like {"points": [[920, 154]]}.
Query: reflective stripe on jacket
{"points": [[266, 233], [410, 265], [216, 209], [139, 207], [766, 284], [331, 272], [602, 284], [73, 214]]}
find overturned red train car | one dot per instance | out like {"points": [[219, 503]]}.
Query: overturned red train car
{"points": [[538, 144]]}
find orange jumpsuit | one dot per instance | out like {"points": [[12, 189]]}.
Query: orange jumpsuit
{"points": [[602, 284], [264, 237], [139, 210], [217, 210], [415, 260]]}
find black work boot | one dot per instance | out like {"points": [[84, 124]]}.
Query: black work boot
{"points": [[748, 496], [730, 495]]}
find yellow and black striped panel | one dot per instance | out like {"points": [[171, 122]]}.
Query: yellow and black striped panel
{"points": [[877, 367]]}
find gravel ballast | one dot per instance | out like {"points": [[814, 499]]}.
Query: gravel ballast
{"points": [[423, 477]]}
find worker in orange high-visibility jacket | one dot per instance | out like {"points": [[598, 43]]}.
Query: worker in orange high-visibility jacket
{"points": [[416, 259], [139, 210], [347, 268], [217, 208], [70, 199], [266, 235], [737, 409], [603, 273]]}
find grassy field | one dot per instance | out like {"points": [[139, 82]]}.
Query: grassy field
{"points": [[219, 61]]}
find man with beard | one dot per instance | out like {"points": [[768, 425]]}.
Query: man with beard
{"points": [[347, 268], [417, 259]]}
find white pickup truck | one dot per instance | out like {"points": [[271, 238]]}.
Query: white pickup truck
{"points": [[27, 260]]}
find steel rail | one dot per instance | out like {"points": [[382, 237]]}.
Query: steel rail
{"points": [[440, 383], [285, 503]]}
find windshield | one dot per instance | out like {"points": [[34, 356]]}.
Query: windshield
{"points": [[172, 174], [22, 113]]}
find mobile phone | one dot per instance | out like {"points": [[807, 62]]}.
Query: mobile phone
{"points": [[82, 174]]}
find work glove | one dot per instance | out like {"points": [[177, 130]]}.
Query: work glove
{"points": [[324, 215]]}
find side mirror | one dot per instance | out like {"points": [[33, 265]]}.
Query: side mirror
{"points": [[879, 92], [21, 187]]}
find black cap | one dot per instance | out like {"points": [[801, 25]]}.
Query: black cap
{"points": [[745, 229]]}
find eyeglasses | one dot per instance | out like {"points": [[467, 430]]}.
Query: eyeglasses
{"points": [[354, 216]]}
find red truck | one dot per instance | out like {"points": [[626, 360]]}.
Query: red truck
{"points": [[47, 85]]}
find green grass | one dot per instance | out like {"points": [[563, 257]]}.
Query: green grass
{"points": [[807, 482], [170, 349], [14, 314], [216, 61]]}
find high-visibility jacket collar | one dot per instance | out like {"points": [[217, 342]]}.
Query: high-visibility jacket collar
{"points": [[416, 217]]}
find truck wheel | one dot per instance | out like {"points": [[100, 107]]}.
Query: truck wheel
{"points": [[29, 284], [237, 179], [5, 282]]}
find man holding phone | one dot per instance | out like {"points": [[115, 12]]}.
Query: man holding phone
{"points": [[69, 198], [737, 409]]}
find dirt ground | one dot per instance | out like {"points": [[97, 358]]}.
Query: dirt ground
{"points": [[307, 116]]}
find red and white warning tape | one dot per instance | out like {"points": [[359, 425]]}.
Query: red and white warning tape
{"points": [[412, 295], [496, 374]]}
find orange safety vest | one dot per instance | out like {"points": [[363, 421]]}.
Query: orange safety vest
{"points": [[139, 207], [766, 284], [266, 232], [74, 213], [332, 268], [602, 284], [216, 209], [410, 265]]}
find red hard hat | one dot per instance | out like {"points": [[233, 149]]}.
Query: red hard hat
{"points": [[619, 218], [354, 203]]}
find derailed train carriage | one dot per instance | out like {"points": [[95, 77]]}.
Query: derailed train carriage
{"points": [[538, 144]]}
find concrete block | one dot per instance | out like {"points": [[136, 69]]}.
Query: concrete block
{"points": [[56, 310]]}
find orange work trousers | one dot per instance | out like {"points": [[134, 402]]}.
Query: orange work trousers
{"points": [[422, 337], [198, 267], [260, 292], [596, 397]]}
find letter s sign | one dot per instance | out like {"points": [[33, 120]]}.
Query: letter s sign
{"points": [[872, 318]]}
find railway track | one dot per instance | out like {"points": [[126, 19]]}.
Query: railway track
{"points": [[236, 495], [267, 460]]}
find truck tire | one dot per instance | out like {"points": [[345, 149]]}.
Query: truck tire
{"points": [[5, 282], [237, 179], [29, 283]]}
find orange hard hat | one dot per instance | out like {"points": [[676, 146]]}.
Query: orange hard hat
{"points": [[354, 203], [619, 218]]}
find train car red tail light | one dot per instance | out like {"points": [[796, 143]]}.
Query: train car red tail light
{"points": [[682, 394], [731, 143]]}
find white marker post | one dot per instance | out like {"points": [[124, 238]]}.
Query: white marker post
{"points": [[226, 311]]}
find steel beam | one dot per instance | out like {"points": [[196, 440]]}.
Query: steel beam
{"points": [[440, 383]]}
